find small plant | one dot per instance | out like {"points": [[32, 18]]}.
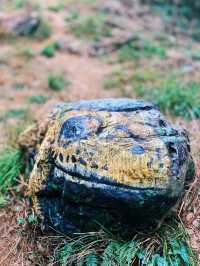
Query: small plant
{"points": [[172, 96], [39, 99], [20, 221], [11, 113], [11, 165], [56, 82], [140, 48], [49, 50], [32, 218], [3, 201], [167, 247], [150, 48]]}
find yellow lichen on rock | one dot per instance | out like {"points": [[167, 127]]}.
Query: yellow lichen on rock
{"points": [[112, 158]]}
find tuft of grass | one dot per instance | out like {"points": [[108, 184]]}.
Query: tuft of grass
{"points": [[175, 97], [12, 113], [11, 165], [39, 99], [3, 201], [56, 82], [22, 113], [92, 27], [140, 48], [167, 247], [17, 4], [49, 50]]}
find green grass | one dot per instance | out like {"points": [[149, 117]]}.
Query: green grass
{"points": [[12, 161], [13, 113], [56, 82], [39, 99], [167, 247], [174, 97], [120, 78], [49, 50], [11, 164], [91, 27], [3, 201], [19, 3], [147, 74], [141, 48]]}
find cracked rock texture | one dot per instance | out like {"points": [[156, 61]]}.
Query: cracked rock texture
{"points": [[111, 162]]}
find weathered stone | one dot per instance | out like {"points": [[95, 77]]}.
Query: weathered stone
{"points": [[115, 162], [20, 23]]}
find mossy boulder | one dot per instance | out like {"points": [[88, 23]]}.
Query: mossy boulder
{"points": [[114, 162]]}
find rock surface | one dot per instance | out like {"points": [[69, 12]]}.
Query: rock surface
{"points": [[19, 23], [114, 162]]}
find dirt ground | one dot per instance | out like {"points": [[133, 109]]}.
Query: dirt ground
{"points": [[24, 73]]}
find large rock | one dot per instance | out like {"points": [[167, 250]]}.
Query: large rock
{"points": [[19, 23], [114, 162]]}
